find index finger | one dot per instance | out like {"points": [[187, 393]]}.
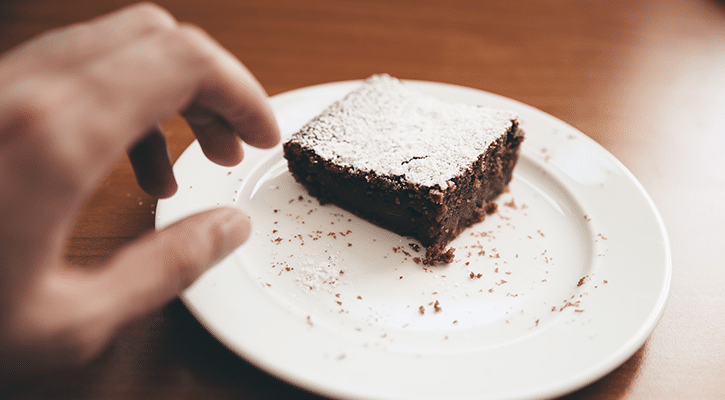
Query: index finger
{"points": [[233, 92], [168, 72]]}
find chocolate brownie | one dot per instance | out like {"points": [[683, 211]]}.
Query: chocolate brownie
{"points": [[408, 162]]}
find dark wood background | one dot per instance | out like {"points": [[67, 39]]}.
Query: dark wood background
{"points": [[644, 78]]}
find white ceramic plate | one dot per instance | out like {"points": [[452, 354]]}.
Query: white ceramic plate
{"points": [[559, 287]]}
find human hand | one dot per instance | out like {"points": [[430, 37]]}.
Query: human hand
{"points": [[73, 102]]}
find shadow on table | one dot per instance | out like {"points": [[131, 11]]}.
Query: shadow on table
{"points": [[217, 371], [616, 384]]}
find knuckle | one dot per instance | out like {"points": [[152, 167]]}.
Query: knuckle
{"points": [[152, 15], [194, 44], [189, 257], [54, 164], [217, 240], [182, 272], [38, 103], [193, 33], [182, 266], [34, 113]]}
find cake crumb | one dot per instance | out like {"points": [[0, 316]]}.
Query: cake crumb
{"points": [[435, 254]]}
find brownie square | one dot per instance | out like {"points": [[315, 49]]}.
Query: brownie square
{"points": [[408, 162]]}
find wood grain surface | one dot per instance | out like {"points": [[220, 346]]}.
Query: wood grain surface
{"points": [[644, 78]]}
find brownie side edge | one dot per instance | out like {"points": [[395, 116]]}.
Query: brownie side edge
{"points": [[385, 201]]}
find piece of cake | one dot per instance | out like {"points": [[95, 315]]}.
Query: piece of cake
{"points": [[406, 161]]}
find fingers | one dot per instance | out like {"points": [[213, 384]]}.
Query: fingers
{"points": [[156, 268], [181, 70], [232, 92], [217, 138], [152, 165], [71, 314], [88, 94], [103, 84]]}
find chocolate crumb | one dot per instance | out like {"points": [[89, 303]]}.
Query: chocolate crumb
{"points": [[435, 254], [490, 208]]}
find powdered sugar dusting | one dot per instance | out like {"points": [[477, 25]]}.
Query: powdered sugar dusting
{"points": [[316, 275], [388, 128]]}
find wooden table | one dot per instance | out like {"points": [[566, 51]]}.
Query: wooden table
{"points": [[644, 78]]}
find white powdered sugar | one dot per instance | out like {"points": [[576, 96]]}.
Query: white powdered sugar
{"points": [[387, 128], [319, 275]]}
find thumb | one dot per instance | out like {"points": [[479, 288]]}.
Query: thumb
{"points": [[71, 314], [157, 267]]}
